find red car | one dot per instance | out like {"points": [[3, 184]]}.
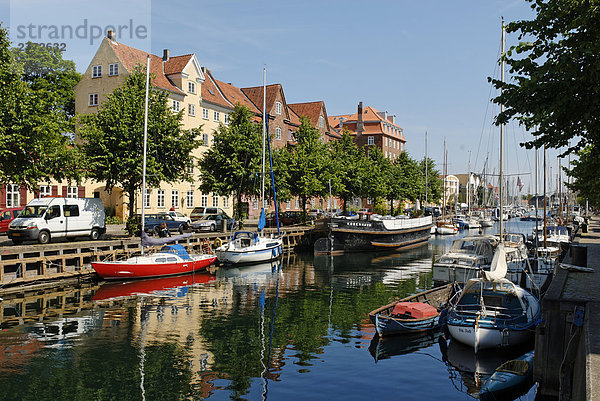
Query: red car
{"points": [[6, 216]]}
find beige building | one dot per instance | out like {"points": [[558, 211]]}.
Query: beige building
{"points": [[184, 80]]}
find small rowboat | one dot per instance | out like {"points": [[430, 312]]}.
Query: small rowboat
{"points": [[510, 380], [420, 312]]}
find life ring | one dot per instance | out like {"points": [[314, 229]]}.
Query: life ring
{"points": [[217, 242]]}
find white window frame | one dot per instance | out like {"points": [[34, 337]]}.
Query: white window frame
{"points": [[45, 190], [160, 198], [226, 118], [96, 71], [296, 203], [192, 109], [321, 122], [191, 87], [147, 198], [216, 116], [175, 198], [255, 203], [370, 140], [176, 106], [278, 133], [215, 201], [205, 139], [72, 192], [278, 108], [93, 99], [288, 204], [13, 195], [225, 202], [204, 200], [113, 69], [204, 113], [189, 199]]}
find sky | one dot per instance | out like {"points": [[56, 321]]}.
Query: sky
{"points": [[426, 62]]}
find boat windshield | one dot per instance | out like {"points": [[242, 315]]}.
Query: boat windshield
{"points": [[471, 246], [33, 211]]}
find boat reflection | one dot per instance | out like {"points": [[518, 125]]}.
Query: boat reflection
{"points": [[259, 271], [172, 286], [386, 347], [468, 370]]}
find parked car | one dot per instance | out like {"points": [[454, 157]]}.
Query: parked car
{"points": [[290, 217], [178, 216], [203, 211], [349, 215], [212, 222], [46, 218], [152, 223], [315, 213], [6, 216]]}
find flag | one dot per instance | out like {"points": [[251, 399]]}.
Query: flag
{"points": [[519, 184]]}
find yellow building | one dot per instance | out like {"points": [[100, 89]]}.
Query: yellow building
{"points": [[182, 78]]}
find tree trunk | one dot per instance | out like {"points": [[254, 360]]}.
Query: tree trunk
{"points": [[391, 207], [131, 192]]}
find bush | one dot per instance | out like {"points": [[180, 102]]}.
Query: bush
{"points": [[132, 226], [113, 220]]}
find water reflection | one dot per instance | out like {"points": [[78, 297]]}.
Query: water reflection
{"points": [[256, 332]]}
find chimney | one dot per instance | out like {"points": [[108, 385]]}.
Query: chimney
{"points": [[110, 34], [360, 125], [166, 54]]}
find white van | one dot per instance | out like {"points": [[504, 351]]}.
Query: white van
{"points": [[46, 218]]}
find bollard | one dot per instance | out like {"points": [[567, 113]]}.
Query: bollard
{"points": [[578, 255], [584, 228]]}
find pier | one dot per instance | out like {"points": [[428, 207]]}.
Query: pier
{"points": [[34, 263], [567, 350]]}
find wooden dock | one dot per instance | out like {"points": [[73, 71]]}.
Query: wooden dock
{"points": [[34, 263]]}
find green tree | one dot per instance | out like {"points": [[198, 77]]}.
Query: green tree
{"points": [[555, 90], [33, 124], [434, 183], [584, 172], [232, 165], [307, 168], [375, 172], [345, 160], [112, 139]]}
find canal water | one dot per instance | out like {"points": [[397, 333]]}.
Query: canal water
{"points": [[295, 330]]}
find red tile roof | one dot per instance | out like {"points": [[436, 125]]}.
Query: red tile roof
{"points": [[176, 64], [130, 57], [294, 118], [233, 94], [255, 94], [311, 110], [211, 92]]}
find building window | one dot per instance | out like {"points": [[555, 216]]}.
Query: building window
{"points": [[113, 69], [189, 198], [148, 194], [45, 190], [370, 140], [215, 201], [93, 99], [290, 135], [205, 139], [278, 108], [191, 87], [204, 200], [288, 205], [225, 202], [71, 192], [190, 169], [160, 198], [255, 204], [215, 116], [205, 114], [297, 203], [175, 198], [176, 106], [321, 122], [191, 109], [12, 195], [226, 117], [96, 71], [277, 133]]}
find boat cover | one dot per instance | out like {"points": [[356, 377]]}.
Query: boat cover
{"points": [[416, 310], [150, 241], [177, 249]]}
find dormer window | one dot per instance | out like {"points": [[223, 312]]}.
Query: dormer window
{"points": [[191, 87], [113, 69], [96, 71], [278, 108], [370, 140], [321, 122]]}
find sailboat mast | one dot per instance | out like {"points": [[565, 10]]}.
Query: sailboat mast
{"points": [[426, 166], [544, 196], [469, 186], [502, 137], [145, 147], [536, 197], [264, 140]]}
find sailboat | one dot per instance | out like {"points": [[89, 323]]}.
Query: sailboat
{"points": [[444, 226], [491, 311], [171, 259], [254, 247]]}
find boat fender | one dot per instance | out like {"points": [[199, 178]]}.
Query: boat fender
{"points": [[217, 242]]}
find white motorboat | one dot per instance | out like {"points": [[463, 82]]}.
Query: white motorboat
{"points": [[247, 247]]}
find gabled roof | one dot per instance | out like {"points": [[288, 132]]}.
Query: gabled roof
{"points": [[255, 94], [130, 57], [294, 118], [373, 121], [311, 110], [176, 64], [232, 94]]}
